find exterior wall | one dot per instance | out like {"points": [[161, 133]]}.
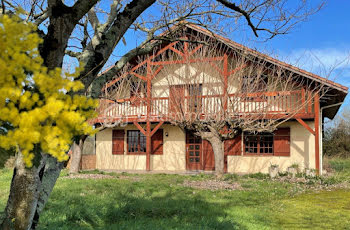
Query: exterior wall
{"points": [[173, 158], [105, 159], [174, 155], [302, 152], [181, 74]]}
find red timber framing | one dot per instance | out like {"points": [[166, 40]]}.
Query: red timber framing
{"points": [[316, 131], [148, 132], [154, 66]]}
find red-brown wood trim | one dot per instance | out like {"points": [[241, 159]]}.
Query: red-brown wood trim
{"points": [[237, 69], [216, 67], [196, 49], [306, 125], [139, 76], [157, 71], [139, 127], [317, 132], [303, 99], [156, 128], [148, 123], [148, 146], [225, 72], [176, 51]]}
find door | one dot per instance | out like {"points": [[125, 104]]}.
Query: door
{"points": [[193, 152], [208, 156]]}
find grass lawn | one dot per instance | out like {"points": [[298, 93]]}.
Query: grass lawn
{"points": [[126, 201]]}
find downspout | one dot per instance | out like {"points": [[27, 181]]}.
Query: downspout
{"points": [[321, 131]]}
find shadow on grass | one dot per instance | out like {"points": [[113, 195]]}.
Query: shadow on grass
{"points": [[135, 208]]}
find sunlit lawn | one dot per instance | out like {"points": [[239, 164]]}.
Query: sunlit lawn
{"points": [[163, 202]]}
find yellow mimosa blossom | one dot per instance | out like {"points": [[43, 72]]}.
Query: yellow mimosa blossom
{"points": [[36, 103]]}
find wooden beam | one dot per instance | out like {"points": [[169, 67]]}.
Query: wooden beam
{"points": [[148, 123], [157, 71], [139, 76], [225, 73], [317, 132], [139, 127], [176, 51], [237, 69], [306, 125], [156, 128], [195, 49]]}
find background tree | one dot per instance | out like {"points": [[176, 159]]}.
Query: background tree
{"points": [[337, 136], [89, 31]]}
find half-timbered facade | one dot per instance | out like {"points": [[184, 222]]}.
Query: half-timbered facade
{"points": [[139, 132]]}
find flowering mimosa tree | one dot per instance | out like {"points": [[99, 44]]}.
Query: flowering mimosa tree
{"points": [[41, 110]]}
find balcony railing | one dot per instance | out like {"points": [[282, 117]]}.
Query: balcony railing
{"points": [[273, 104]]}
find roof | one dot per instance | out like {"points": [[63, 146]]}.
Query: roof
{"points": [[292, 68]]}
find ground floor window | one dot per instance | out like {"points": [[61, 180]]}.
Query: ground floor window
{"points": [[136, 142], [258, 144]]}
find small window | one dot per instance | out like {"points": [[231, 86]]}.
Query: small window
{"points": [[136, 142], [259, 144]]}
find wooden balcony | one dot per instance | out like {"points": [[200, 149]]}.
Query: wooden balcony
{"points": [[268, 105]]}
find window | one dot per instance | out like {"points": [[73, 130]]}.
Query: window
{"points": [[260, 144], [194, 93], [136, 142]]}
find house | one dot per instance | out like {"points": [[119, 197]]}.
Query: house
{"points": [[140, 134]]}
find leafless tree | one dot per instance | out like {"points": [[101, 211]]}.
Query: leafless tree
{"points": [[88, 31], [218, 92]]}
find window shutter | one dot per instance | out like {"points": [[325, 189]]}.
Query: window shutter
{"points": [[118, 142], [233, 146], [157, 142], [282, 142]]}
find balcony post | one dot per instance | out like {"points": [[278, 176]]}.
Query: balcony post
{"points": [[317, 132], [148, 122], [225, 73]]}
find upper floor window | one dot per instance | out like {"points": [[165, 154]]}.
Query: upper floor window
{"points": [[195, 97]]}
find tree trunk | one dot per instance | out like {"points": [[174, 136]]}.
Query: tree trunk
{"points": [[50, 175], [24, 195], [76, 155], [219, 155]]}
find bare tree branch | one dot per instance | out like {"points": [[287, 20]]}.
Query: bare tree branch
{"points": [[246, 15]]}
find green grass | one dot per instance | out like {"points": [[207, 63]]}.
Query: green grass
{"points": [[340, 164], [161, 201], [4, 156]]}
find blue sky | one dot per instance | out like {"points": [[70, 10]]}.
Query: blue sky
{"points": [[317, 45]]}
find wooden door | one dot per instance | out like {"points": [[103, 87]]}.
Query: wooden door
{"points": [[208, 156], [176, 99], [193, 152]]}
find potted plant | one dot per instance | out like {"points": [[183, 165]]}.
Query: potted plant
{"points": [[273, 170], [293, 170], [310, 172]]}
